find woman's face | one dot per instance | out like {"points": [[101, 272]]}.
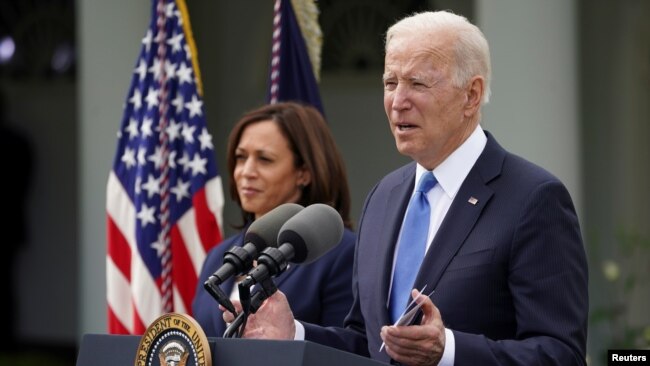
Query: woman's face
{"points": [[265, 171]]}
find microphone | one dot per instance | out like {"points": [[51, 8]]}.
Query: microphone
{"points": [[261, 234], [304, 237]]}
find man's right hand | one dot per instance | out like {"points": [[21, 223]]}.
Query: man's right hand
{"points": [[273, 320]]}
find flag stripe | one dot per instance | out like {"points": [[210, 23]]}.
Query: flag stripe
{"points": [[118, 245], [115, 324], [118, 289], [215, 201], [138, 326], [121, 210], [179, 304], [182, 259], [187, 233], [207, 227]]}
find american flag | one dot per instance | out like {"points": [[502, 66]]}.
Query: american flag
{"points": [[164, 195], [295, 53]]}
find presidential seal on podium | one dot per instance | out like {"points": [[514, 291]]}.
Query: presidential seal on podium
{"points": [[174, 340]]}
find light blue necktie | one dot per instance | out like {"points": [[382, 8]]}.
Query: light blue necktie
{"points": [[412, 246]]}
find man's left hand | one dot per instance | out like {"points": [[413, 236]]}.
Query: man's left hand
{"points": [[417, 345]]}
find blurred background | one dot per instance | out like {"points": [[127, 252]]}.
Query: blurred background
{"points": [[571, 92]]}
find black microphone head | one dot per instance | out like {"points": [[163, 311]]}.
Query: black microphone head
{"points": [[263, 232], [315, 230]]}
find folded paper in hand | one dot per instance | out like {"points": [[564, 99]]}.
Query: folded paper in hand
{"points": [[409, 313]]}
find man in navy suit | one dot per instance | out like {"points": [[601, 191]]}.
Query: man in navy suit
{"points": [[503, 252]]}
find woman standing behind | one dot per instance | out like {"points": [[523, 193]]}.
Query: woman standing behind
{"points": [[285, 153]]}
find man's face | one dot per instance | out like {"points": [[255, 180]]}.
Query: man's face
{"points": [[425, 111]]}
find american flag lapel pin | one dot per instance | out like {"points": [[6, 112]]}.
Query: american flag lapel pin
{"points": [[473, 200]]}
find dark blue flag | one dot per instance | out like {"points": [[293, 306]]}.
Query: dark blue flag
{"points": [[292, 76]]}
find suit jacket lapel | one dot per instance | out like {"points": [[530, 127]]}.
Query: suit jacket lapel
{"points": [[458, 223], [462, 215]]}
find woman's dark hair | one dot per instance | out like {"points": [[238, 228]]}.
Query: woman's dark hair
{"points": [[313, 149]]}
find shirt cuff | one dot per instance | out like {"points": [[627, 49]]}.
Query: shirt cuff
{"points": [[449, 354], [300, 331]]}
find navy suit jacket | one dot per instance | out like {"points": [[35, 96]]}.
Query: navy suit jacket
{"points": [[319, 292], [509, 270]]}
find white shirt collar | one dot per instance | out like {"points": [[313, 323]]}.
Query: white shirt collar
{"points": [[452, 171]]}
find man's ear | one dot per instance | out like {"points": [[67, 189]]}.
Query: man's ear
{"points": [[475, 90]]}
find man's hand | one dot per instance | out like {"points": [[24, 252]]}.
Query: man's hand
{"points": [[417, 345], [273, 320]]}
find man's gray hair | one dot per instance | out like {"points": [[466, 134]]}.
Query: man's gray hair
{"points": [[472, 53]]}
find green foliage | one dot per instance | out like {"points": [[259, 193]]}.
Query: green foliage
{"points": [[620, 275]]}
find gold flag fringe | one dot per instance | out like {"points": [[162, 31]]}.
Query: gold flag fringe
{"points": [[189, 37], [307, 15]]}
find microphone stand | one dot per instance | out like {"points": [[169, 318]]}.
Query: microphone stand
{"points": [[268, 289], [236, 328], [250, 304], [231, 331], [218, 294]]}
